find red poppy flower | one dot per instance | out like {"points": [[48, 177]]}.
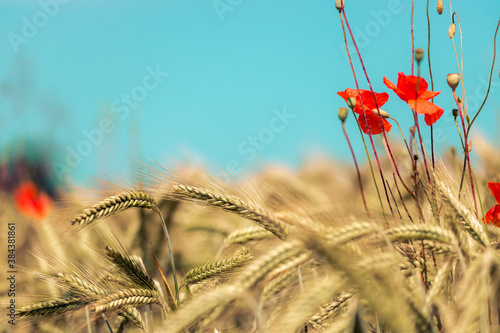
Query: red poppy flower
{"points": [[31, 202], [417, 100], [493, 215], [369, 104]]}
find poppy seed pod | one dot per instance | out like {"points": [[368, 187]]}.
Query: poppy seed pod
{"points": [[439, 7], [455, 112], [419, 55], [343, 113], [453, 80], [351, 102], [339, 4], [451, 30], [381, 112]]}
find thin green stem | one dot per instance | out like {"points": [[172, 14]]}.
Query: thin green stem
{"points": [[466, 146], [430, 74], [172, 261], [371, 168], [380, 117], [357, 170], [362, 107], [491, 74]]}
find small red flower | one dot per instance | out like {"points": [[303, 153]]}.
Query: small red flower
{"points": [[417, 100], [493, 215], [30, 202], [369, 104]]}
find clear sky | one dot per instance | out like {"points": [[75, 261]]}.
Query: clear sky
{"points": [[235, 83]]}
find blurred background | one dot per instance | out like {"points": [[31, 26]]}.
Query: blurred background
{"points": [[89, 88]]}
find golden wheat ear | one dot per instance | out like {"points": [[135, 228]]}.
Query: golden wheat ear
{"points": [[114, 204], [121, 202], [229, 203]]}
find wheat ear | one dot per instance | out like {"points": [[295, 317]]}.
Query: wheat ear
{"points": [[124, 298], [467, 219], [421, 232], [81, 286], [121, 202], [131, 268], [243, 236], [216, 268], [330, 310], [235, 205], [56, 307], [114, 204], [224, 295], [134, 316]]}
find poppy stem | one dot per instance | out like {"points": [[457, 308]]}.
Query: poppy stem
{"points": [[404, 139], [364, 112], [418, 129], [412, 36], [491, 74], [371, 167], [378, 111], [430, 74], [466, 150], [357, 170]]}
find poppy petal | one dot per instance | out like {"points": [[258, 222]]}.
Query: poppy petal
{"points": [[381, 99], [374, 124], [431, 118], [424, 107], [495, 190], [429, 94], [366, 96], [493, 216], [392, 86], [347, 93], [30, 202], [408, 84]]}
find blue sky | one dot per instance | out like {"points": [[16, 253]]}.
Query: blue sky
{"points": [[232, 83]]}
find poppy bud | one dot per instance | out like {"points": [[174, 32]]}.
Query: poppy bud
{"points": [[381, 112], [451, 30], [419, 55], [412, 130], [439, 7], [455, 112], [351, 102], [339, 4], [453, 80], [343, 114]]}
